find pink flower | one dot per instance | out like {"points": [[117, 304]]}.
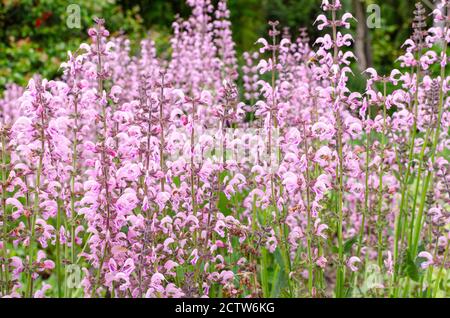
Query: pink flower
{"points": [[169, 265], [322, 130], [19, 207], [321, 186], [389, 263], [291, 182], [264, 43], [41, 292], [429, 259], [324, 22], [321, 262], [161, 199], [323, 156], [272, 242], [220, 228], [226, 276], [351, 263], [320, 228]]}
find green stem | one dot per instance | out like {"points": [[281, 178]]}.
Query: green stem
{"points": [[404, 192], [5, 216], [441, 268], [58, 250], [161, 123], [340, 275], [35, 209], [419, 221], [366, 192], [380, 189], [105, 165], [309, 226]]}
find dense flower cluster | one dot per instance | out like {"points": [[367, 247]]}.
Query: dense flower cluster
{"points": [[134, 176]]}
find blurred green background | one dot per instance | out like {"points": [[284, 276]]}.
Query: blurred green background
{"points": [[34, 37]]}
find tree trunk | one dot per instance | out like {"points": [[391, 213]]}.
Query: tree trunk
{"points": [[363, 47]]}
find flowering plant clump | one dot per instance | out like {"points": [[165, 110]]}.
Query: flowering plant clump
{"points": [[134, 176]]}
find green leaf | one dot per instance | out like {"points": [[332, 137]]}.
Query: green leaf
{"points": [[176, 180], [264, 273], [124, 229], [349, 244], [278, 258], [224, 204], [276, 282], [334, 249], [410, 268]]}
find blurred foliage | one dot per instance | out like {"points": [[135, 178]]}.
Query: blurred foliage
{"points": [[387, 41], [34, 36]]}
